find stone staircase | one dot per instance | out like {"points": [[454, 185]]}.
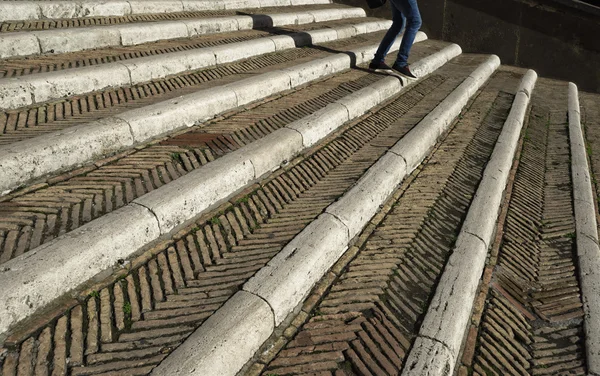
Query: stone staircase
{"points": [[222, 187]]}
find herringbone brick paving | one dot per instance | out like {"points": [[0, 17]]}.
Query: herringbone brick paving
{"points": [[37, 120], [532, 323], [129, 326], [30, 25], [367, 321], [44, 214], [38, 217], [527, 320]]}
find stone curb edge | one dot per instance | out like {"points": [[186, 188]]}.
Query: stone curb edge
{"points": [[34, 279], [436, 349], [287, 279], [57, 41], [38, 88], [586, 227], [27, 160], [39, 10]]}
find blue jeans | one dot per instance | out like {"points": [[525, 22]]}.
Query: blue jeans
{"points": [[404, 13]]}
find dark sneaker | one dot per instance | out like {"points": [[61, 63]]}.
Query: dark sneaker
{"points": [[379, 67], [405, 71]]}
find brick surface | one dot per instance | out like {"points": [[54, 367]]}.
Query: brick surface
{"points": [[531, 322], [173, 298], [385, 289], [362, 317], [91, 193]]}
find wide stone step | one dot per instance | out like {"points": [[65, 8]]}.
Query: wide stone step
{"points": [[40, 10], [373, 301], [8, 27], [272, 294], [87, 38], [223, 188], [18, 67], [34, 89], [120, 132], [35, 121]]}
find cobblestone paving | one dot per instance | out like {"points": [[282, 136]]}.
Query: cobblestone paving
{"points": [[131, 324], [367, 321]]}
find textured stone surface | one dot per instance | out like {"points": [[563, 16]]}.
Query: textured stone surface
{"points": [[362, 202], [586, 226], [288, 278], [225, 341], [40, 276]]}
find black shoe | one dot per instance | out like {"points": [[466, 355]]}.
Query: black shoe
{"points": [[379, 67], [405, 71]]}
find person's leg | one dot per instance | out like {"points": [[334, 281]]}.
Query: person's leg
{"points": [[391, 35], [410, 10]]}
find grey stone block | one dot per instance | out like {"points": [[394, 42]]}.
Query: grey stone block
{"points": [[133, 34], [288, 278], [356, 208], [19, 10], [450, 309], [53, 85], [254, 88], [201, 189], [306, 72], [224, 342], [154, 67], [178, 113], [69, 40], [36, 278], [268, 153], [319, 124], [152, 6], [586, 226], [30, 159], [18, 44], [242, 50]]}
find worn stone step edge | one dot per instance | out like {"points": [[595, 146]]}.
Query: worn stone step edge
{"points": [[42, 87], [437, 347], [57, 41], [226, 341], [586, 231], [33, 280], [27, 160], [40, 10]]}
